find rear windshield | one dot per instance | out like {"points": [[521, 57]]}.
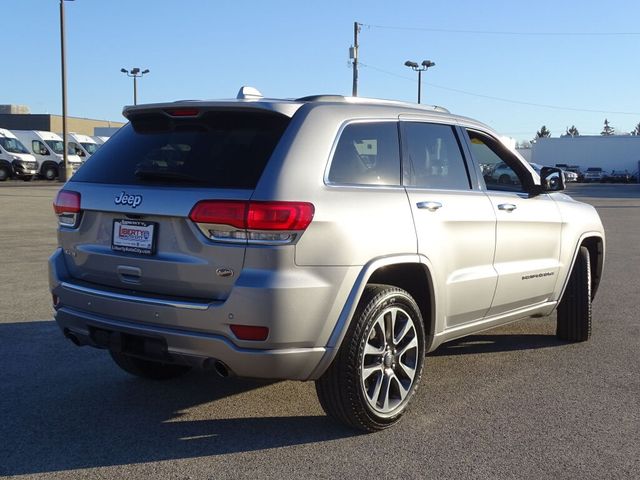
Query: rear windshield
{"points": [[220, 149]]}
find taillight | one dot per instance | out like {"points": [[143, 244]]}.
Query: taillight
{"points": [[253, 222], [67, 208]]}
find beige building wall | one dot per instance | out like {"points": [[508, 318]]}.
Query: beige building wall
{"points": [[84, 126]]}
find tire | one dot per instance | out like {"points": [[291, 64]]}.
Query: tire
{"points": [[147, 368], [574, 311], [5, 174], [50, 172], [369, 384]]}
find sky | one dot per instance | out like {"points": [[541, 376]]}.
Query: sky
{"points": [[515, 65]]}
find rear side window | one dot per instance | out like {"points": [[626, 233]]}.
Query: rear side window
{"points": [[435, 158], [220, 149], [367, 154]]}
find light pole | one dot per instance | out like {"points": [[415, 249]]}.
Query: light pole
{"points": [[135, 73], [417, 68], [66, 172]]}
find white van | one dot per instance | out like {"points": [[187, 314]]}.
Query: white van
{"points": [[15, 160], [47, 148], [100, 139], [82, 145]]}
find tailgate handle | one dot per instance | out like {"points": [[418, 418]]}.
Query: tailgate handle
{"points": [[129, 274]]}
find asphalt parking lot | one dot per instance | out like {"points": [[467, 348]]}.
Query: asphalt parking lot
{"points": [[512, 402]]}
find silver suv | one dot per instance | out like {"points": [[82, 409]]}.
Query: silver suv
{"points": [[324, 238]]}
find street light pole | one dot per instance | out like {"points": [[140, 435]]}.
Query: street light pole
{"points": [[417, 68], [135, 73], [66, 172]]}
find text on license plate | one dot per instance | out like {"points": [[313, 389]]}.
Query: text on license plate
{"points": [[134, 236]]}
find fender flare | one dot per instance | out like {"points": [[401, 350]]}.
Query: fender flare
{"points": [[597, 267], [349, 308]]}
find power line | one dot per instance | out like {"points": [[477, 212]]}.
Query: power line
{"points": [[500, 99], [503, 32]]}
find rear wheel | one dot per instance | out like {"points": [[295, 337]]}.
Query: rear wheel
{"points": [[379, 365], [574, 311], [147, 368]]}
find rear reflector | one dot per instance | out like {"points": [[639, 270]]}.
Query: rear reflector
{"points": [[282, 216], [249, 332], [66, 202]]}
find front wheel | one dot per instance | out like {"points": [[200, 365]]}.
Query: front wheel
{"points": [[50, 172], [379, 365], [147, 368], [4, 174], [574, 311]]}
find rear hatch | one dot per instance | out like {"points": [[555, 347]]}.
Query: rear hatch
{"points": [[137, 191]]}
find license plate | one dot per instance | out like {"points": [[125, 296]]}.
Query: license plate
{"points": [[134, 236]]}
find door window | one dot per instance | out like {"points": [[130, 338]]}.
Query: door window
{"points": [[434, 157], [367, 154], [501, 170]]}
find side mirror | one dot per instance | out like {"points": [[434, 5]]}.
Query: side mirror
{"points": [[44, 151], [551, 179]]}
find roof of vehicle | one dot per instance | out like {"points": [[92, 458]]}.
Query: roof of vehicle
{"points": [[250, 98]]}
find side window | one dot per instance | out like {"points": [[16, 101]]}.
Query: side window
{"points": [[76, 149], [435, 159], [38, 148], [501, 171], [367, 154]]}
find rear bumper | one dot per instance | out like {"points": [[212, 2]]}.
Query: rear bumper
{"points": [[198, 349], [300, 309]]}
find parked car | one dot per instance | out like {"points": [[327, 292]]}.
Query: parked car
{"points": [[575, 169], [324, 238], [503, 174], [619, 176], [15, 160], [594, 174]]}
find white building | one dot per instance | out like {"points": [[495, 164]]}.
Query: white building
{"points": [[613, 152]]}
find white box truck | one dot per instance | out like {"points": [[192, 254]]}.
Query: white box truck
{"points": [[15, 160], [82, 145], [47, 147]]}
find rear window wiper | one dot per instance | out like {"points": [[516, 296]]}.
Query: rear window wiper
{"points": [[149, 174]]}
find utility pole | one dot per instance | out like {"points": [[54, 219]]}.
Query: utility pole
{"points": [[66, 171], [354, 57]]}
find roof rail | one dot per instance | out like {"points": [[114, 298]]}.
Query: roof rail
{"points": [[321, 98]]}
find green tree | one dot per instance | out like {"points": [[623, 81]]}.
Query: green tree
{"points": [[636, 131], [543, 132], [571, 132], [608, 129]]}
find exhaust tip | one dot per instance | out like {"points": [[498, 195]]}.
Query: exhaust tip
{"points": [[221, 369], [76, 341]]}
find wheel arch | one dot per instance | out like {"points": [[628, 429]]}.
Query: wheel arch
{"points": [[49, 163], [595, 244], [409, 272]]}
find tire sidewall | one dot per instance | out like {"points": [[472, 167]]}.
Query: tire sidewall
{"points": [[393, 298]]}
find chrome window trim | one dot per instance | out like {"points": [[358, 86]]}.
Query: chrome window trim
{"points": [[332, 152]]}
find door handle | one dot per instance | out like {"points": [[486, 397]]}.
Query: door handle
{"points": [[509, 207], [431, 206]]}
